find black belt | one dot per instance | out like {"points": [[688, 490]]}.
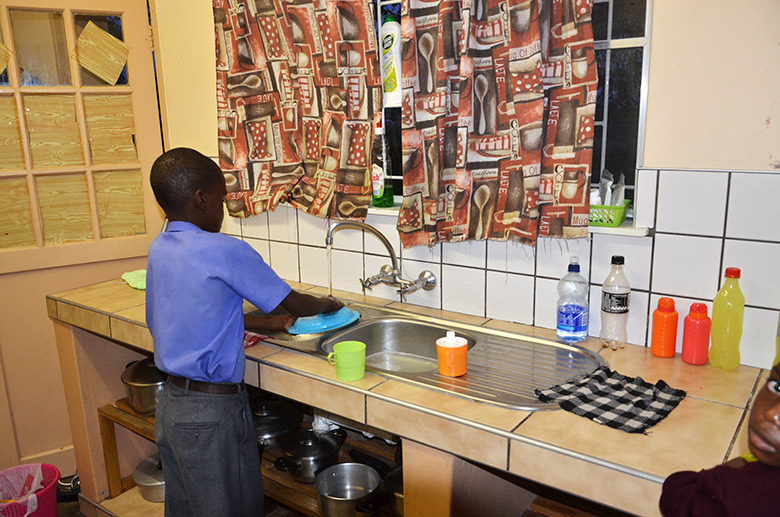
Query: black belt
{"points": [[206, 387]]}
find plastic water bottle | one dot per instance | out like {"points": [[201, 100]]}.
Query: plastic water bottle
{"points": [[573, 304], [728, 309], [614, 306]]}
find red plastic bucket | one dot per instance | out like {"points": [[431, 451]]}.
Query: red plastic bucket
{"points": [[47, 496]]}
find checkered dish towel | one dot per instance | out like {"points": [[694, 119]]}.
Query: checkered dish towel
{"points": [[609, 398]]}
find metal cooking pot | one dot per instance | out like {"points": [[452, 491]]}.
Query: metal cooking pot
{"points": [[345, 489], [276, 422], [148, 476], [308, 452], [143, 381], [392, 476]]}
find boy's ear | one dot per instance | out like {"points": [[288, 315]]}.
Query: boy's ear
{"points": [[200, 199]]}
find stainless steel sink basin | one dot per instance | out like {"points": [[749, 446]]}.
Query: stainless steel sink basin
{"points": [[395, 344], [504, 368]]}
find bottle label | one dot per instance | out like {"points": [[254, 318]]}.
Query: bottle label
{"points": [[377, 180], [614, 303], [573, 318]]}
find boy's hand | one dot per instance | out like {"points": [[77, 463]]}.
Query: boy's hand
{"points": [[281, 322], [331, 304]]}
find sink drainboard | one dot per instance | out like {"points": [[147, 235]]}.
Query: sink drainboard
{"points": [[505, 372]]}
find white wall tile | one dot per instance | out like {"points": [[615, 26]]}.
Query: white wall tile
{"points": [[683, 307], [546, 303], [311, 230], [386, 225], [347, 271], [754, 210], [469, 253], [432, 298], [314, 265], [372, 264], [686, 266], [644, 198], [758, 345], [636, 250], [347, 238], [511, 256], [463, 290], [510, 297], [760, 282], [552, 256], [284, 260], [261, 246], [637, 315], [231, 225], [256, 226], [283, 224], [691, 202], [423, 253]]}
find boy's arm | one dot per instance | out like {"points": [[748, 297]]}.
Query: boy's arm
{"points": [[301, 304]]}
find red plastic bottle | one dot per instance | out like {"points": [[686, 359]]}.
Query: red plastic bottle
{"points": [[664, 339], [696, 335]]}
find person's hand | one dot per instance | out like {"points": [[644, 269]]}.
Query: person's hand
{"points": [[332, 304], [281, 322]]}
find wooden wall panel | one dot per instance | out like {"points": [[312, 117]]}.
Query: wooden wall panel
{"points": [[54, 130], [111, 128], [64, 205], [10, 139], [120, 203], [15, 218]]}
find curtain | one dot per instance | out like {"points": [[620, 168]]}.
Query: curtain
{"points": [[498, 113], [298, 93]]}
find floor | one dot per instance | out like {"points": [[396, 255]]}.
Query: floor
{"points": [[272, 509]]}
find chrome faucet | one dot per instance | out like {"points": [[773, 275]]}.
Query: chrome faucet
{"points": [[388, 274]]}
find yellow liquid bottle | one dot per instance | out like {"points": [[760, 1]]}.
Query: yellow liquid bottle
{"points": [[728, 309]]}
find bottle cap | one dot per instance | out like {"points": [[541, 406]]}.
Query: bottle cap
{"points": [[574, 264], [698, 311], [618, 260], [666, 304], [733, 272], [450, 336]]}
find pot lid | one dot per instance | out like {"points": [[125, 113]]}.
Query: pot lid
{"points": [[324, 322], [149, 472], [143, 373], [308, 444], [274, 417]]}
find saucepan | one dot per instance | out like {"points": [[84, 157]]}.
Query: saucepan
{"points": [[143, 382], [392, 476], [309, 452], [347, 490]]}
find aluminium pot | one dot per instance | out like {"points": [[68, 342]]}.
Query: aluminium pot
{"points": [[276, 422], [143, 383], [309, 452], [347, 490], [392, 476], [148, 477]]}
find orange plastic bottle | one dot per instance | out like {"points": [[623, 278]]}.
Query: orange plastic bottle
{"points": [[696, 335], [664, 339]]}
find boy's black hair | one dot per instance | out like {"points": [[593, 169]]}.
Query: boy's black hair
{"points": [[178, 173]]}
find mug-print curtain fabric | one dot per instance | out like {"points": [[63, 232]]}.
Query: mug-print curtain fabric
{"points": [[298, 87], [497, 119]]}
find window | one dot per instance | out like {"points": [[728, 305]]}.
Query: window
{"points": [[620, 31]]}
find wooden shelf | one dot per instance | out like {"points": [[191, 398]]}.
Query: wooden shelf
{"points": [[278, 485]]}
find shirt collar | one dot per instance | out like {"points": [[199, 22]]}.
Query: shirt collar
{"points": [[181, 226]]}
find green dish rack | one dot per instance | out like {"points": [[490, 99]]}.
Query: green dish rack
{"points": [[606, 215]]}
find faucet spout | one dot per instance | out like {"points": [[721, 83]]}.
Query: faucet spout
{"points": [[358, 225]]}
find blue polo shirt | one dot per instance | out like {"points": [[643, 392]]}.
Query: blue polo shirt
{"points": [[196, 282]]}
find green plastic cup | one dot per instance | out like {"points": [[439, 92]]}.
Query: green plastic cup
{"points": [[349, 357]]}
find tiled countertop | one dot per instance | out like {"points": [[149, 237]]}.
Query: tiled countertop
{"points": [[551, 447]]}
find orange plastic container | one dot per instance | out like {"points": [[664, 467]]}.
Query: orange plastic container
{"points": [[452, 354], [664, 339]]}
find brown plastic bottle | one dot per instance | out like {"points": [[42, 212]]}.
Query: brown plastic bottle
{"points": [[664, 329], [696, 335]]}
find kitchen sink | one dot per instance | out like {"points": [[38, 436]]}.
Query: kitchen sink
{"points": [[504, 368]]}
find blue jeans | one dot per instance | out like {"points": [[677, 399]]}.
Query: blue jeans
{"points": [[210, 457]]}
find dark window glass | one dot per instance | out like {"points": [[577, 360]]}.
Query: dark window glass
{"points": [[601, 63], [625, 79], [598, 134], [600, 17], [628, 19]]}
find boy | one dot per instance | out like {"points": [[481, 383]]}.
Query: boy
{"points": [[197, 279], [748, 485]]}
